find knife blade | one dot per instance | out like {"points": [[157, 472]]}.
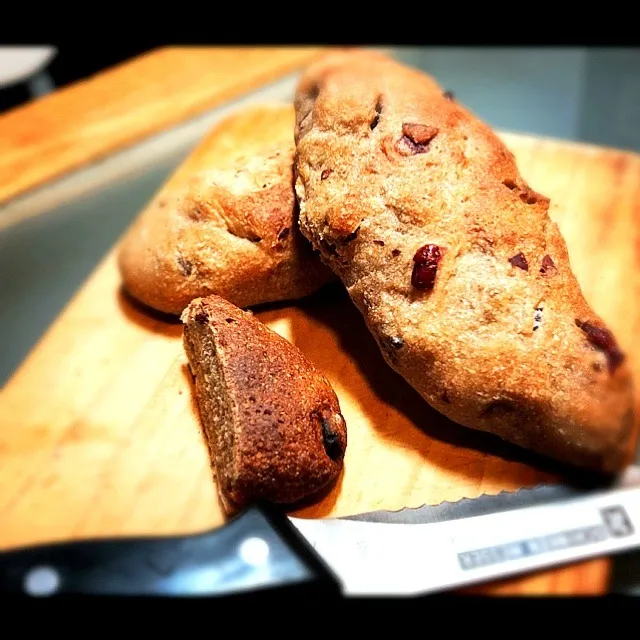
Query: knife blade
{"points": [[408, 552]]}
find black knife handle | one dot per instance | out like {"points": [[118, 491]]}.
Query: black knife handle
{"points": [[257, 551]]}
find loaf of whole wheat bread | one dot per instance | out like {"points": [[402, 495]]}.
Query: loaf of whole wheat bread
{"points": [[271, 419], [460, 273], [225, 223]]}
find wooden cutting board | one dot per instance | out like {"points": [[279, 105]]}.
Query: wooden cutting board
{"points": [[98, 429]]}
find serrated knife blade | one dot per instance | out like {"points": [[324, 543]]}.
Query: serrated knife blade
{"points": [[455, 544], [408, 552], [503, 501]]}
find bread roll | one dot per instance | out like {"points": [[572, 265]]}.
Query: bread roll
{"points": [[271, 419], [225, 223], [454, 262]]}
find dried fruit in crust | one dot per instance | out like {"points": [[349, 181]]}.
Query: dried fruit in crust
{"points": [[497, 335]]}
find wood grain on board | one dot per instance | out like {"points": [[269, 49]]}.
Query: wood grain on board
{"points": [[99, 433], [92, 118]]}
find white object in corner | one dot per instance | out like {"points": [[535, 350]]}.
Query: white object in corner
{"points": [[18, 64]]}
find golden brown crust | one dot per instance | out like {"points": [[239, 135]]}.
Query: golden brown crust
{"points": [[489, 324], [225, 227], [271, 419]]}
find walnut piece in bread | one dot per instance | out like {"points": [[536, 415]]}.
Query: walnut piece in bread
{"points": [[226, 224], [460, 273], [270, 417]]}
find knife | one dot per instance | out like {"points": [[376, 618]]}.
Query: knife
{"points": [[413, 551]]}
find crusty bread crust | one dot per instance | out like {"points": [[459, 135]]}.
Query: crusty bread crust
{"points": [[226, 228], [454, 262], [271, 418]]}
